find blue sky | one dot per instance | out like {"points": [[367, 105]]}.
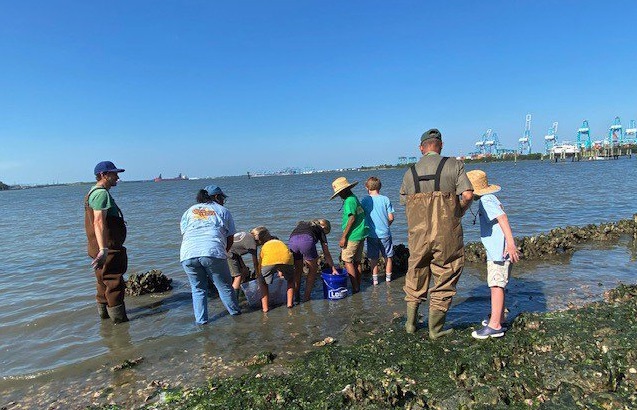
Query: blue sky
{"points": [[211, 88]]}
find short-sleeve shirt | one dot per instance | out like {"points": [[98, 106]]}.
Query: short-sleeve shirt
{"points": [[275, 252], [243, 244], [491, 233], [351, 206], [452, 179], [308, 228], [205, 229], [100, 199], [377, 209]]}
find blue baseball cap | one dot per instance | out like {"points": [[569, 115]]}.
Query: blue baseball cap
{"points": [[106, 166], [214, 190]]}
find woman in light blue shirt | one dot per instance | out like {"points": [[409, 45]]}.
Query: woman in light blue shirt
{"points": [[208, 232]]}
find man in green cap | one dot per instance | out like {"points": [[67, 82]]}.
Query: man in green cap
{"points": [[436, 192]]}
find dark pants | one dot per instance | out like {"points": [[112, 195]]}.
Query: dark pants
{"points": [[110, 283]]}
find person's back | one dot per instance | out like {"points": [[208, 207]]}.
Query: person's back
{"points": [[377, 210], [431, 190], [379, 215], [275, 252]]}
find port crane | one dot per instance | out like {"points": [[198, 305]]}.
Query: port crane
{"points": [[616, 133], [584, 136], [524, 143], [631, 133], [550, 139]]}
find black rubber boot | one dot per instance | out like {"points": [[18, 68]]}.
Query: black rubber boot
{"points": [[118, 313], [436, 322], [412, 317], [101, 310]]}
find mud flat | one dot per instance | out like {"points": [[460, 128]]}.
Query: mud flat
{"points": [[577, 358]]}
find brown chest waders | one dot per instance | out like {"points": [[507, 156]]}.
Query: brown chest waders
{"points": [[435, 242], [110, 284]]}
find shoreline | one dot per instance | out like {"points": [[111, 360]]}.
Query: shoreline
{"points": [[149, 383]]}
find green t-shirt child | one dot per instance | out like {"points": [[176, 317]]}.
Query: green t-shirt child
{"points": [[351, 206]]}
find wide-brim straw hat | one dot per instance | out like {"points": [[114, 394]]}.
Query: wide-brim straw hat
{"points": [[480, 183], [341, 184]]}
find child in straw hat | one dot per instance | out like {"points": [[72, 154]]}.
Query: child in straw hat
{"points": [[354, 230], [497, 238]]}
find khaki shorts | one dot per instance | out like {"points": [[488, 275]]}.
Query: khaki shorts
{"points": [[498, 273], [353, 252]]}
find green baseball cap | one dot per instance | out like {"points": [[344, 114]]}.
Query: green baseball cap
{"points": [[432, 133]]}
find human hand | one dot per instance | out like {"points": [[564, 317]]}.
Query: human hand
{"points": [[512, 252], [334, 270], [99, 260], [343, 242]]}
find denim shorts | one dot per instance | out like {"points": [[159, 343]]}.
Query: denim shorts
{"points": [[379, 246], [498, 273], [303, 247]]}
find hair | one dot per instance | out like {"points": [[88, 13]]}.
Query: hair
{"points": [[373, 184], [323, 223], [261, 234], [432, 144], [203, 197]]}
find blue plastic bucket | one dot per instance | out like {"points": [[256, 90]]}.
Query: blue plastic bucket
{"points": [[334, 286]]}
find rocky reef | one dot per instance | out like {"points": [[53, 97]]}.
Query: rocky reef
{"points": [[578, 358], [559, 240], [152, 281]]}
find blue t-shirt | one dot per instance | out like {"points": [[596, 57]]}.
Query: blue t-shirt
{"points": [[491, 234], [377, 209], [205, 229]]}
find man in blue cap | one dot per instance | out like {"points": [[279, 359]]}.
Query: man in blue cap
{"points": [[106, 233]]}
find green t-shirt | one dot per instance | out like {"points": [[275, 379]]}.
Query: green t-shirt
{"points": [[351, 206], [101, 200]]}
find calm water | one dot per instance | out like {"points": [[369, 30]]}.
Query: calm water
{"points": [[49, 330]]}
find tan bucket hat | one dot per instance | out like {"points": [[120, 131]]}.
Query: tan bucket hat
{"points": [[480, 183], [341, 184]]}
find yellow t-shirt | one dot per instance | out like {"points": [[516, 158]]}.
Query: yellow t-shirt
{"points": [[275, 252]]}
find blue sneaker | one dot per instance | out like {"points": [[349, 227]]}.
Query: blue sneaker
{"points": [[487, 332], [504, 325]]}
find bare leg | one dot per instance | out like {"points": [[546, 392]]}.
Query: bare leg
{"points": [[351, 272], [389, 262], [236, 283], [373, 263], [497, 307], [311, 278], [359, 273], [290, 293], [265, 296], [298, 272]]}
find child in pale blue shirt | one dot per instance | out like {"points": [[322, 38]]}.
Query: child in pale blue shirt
{"points": [[379, 214], [497, 238]]}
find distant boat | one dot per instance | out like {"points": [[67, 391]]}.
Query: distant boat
{"points": [[565, 149], [179, 177]]}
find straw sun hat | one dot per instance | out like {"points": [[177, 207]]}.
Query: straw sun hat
{"points": [[480, 183], [341, 184]]}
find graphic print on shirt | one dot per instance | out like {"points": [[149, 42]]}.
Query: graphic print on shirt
{"points": [[202, 213]]}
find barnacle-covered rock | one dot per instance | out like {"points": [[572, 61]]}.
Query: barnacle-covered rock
{"points": [[152, 281]]}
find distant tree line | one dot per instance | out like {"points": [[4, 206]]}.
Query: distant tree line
{"points": [[3, 186]]}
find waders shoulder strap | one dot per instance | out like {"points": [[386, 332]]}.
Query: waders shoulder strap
{"points": [[435, 177]]}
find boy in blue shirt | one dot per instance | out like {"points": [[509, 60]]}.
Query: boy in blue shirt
{"points": [[497, 238], [379, 214]]}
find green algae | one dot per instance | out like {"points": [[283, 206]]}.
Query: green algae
{"points": [[579, 358]]}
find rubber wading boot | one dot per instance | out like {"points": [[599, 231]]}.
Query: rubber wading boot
{"points": [[118, 313], [101, 310], [412, 317], [436, 322]]}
